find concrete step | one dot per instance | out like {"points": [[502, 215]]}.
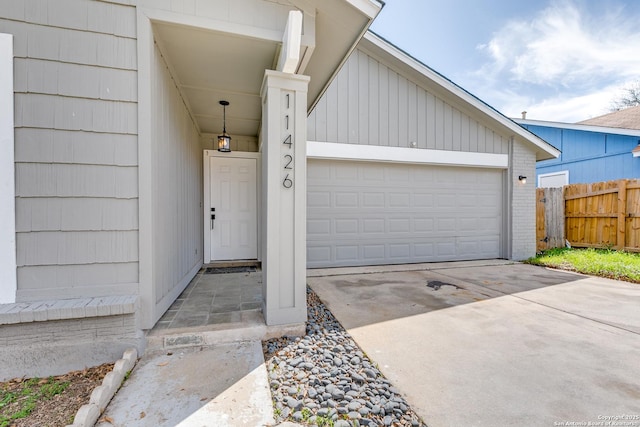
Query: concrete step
{"points": [[250, 328], [229, 264]]}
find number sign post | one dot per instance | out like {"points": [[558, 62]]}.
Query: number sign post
{"points": [[283, 146]]}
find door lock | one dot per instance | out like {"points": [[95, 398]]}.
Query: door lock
{"points": [[213, 216]]}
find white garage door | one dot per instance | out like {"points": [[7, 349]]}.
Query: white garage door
{"points": [[367, 213]]}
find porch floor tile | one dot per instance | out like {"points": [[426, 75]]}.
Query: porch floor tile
{"points": [[212, 299]]}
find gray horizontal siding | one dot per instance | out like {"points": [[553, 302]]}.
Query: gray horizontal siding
{"points": [[75, 214], [370, 103], [88, 16], [75, 46], [71, 180], [82, 81], [76, 146], [76, 247], [58, 112]]}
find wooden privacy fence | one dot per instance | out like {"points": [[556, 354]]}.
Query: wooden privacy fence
{"points": [[598, 215]]}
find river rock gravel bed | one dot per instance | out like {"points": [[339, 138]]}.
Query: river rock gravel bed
{"points": [[324, 379]]}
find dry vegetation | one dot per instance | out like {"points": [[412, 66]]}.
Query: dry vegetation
{"points": [[48, 402]]}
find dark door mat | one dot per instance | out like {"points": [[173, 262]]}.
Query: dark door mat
{"points": [[223, 270]]}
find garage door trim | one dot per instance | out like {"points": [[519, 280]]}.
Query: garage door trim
{"points": [[339, 151]]}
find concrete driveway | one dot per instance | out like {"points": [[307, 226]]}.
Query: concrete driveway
{"points": [[495, 343]]}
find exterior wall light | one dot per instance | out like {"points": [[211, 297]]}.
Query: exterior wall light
{"points": [[522, 179], [224, 140], [636, 151]]}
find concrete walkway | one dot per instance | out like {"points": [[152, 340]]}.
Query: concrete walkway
{"points": [[496, 345], [223, 385], [487, 343], [203, 364]]}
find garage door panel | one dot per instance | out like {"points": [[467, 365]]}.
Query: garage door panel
{"points": [[491, 245], [399, 200], [365, 213], [347, 226], [446, 226], [318, 199], [468, 224], [422, 200], [399, 225], [399, 250], [424, 250], [320, 254], [343, 174], [445, 250], [321, 227], [373, 252], [414, 228], [373, 200], [344, 199], [373, 175], [346, 254]]}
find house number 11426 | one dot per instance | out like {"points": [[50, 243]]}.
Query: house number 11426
{"points": [[287, 182]]}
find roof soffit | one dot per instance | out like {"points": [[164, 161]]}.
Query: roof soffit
{"points": [[222, 53], [339, 26]]}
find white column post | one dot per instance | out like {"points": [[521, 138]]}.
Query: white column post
{"points": [[8, 280], [284, 176]]}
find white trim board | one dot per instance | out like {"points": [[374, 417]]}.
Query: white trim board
{"points": [[564, 175], [578, 126], [370, 7], [8, 277], [337, 151]]}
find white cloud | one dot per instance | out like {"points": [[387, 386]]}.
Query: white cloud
{"points": [[563, 45], [564, 64], [564, 107]]}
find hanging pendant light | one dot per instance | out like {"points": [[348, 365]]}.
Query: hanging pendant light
{"points": [[224, 140]]}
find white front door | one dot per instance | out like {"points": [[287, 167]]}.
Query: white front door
{"points": [[233, 214]]}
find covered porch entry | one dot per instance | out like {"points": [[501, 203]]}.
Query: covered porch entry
{"points": [[270, 61]]}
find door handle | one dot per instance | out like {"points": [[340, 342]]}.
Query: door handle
{"points": [[213, 216]]}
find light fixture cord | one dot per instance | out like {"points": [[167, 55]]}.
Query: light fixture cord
{"points": [[224, 119]]}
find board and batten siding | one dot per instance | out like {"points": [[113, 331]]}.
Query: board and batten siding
{"points": [[371, 103], [177, 188], [75, 147]]}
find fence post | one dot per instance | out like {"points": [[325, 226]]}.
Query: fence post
{"points": [[622, 214], [559, 233], [541, 232]]}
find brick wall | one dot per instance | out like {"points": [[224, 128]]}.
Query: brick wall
{"points": [[523, 224], [55, 337]]}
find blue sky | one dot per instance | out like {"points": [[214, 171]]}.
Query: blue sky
{"points": [[562, 60]]}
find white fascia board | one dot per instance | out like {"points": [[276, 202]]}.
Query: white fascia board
{"points": [[370, 8], [338, 151], [577, 126], [461, 93], [8, 275]]}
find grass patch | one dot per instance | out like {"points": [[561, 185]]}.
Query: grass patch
{"points": [[617, 265], [18, 400]]}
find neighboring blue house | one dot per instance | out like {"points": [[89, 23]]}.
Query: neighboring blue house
{"points": [[592, 151]]}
